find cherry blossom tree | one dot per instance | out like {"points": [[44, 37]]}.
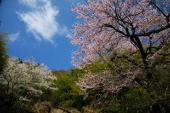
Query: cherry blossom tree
{"points": [[25, 80], [136, 31], [129, 24]]}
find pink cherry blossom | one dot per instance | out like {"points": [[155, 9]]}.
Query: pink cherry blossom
{"points": [[124, 23], [119, 29]]}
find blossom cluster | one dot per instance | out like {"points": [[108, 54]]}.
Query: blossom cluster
{"points": [[26, 79], [111, 23]]}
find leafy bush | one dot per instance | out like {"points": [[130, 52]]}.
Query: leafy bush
{"points": [[67, 95]]}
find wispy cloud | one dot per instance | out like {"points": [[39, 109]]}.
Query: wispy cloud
{"points": [[64, 31], [73, 1], [40, 20], [31, 3], [14, 36]]}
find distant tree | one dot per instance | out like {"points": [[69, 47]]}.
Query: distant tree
{"points": [[3, 50], [0, 2], [22, 81], [0, 5], [130, 36]]}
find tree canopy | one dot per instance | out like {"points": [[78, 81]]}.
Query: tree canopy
{"points": [[129, 24], [129, 39]]}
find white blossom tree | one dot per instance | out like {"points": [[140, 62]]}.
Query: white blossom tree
{"points": [[24, 80]]}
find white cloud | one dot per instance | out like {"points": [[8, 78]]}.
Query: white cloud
{"points": [[64, 31], [71, 0], [14, 36], [31, 3], [40, 20]]}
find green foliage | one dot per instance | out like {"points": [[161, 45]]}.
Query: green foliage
{"points": [[67, 95], [48, 95], [139, 99], [67, 103], [16, 107], [135, 99], [3, 50]]}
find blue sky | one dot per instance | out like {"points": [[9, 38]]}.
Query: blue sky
{"points": [[39, 28]]}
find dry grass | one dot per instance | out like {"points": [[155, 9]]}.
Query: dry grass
{"points": [[89, 109], [43, 107]]}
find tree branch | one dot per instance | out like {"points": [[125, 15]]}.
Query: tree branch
{"points": [[134, 62], [139, 34]]}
